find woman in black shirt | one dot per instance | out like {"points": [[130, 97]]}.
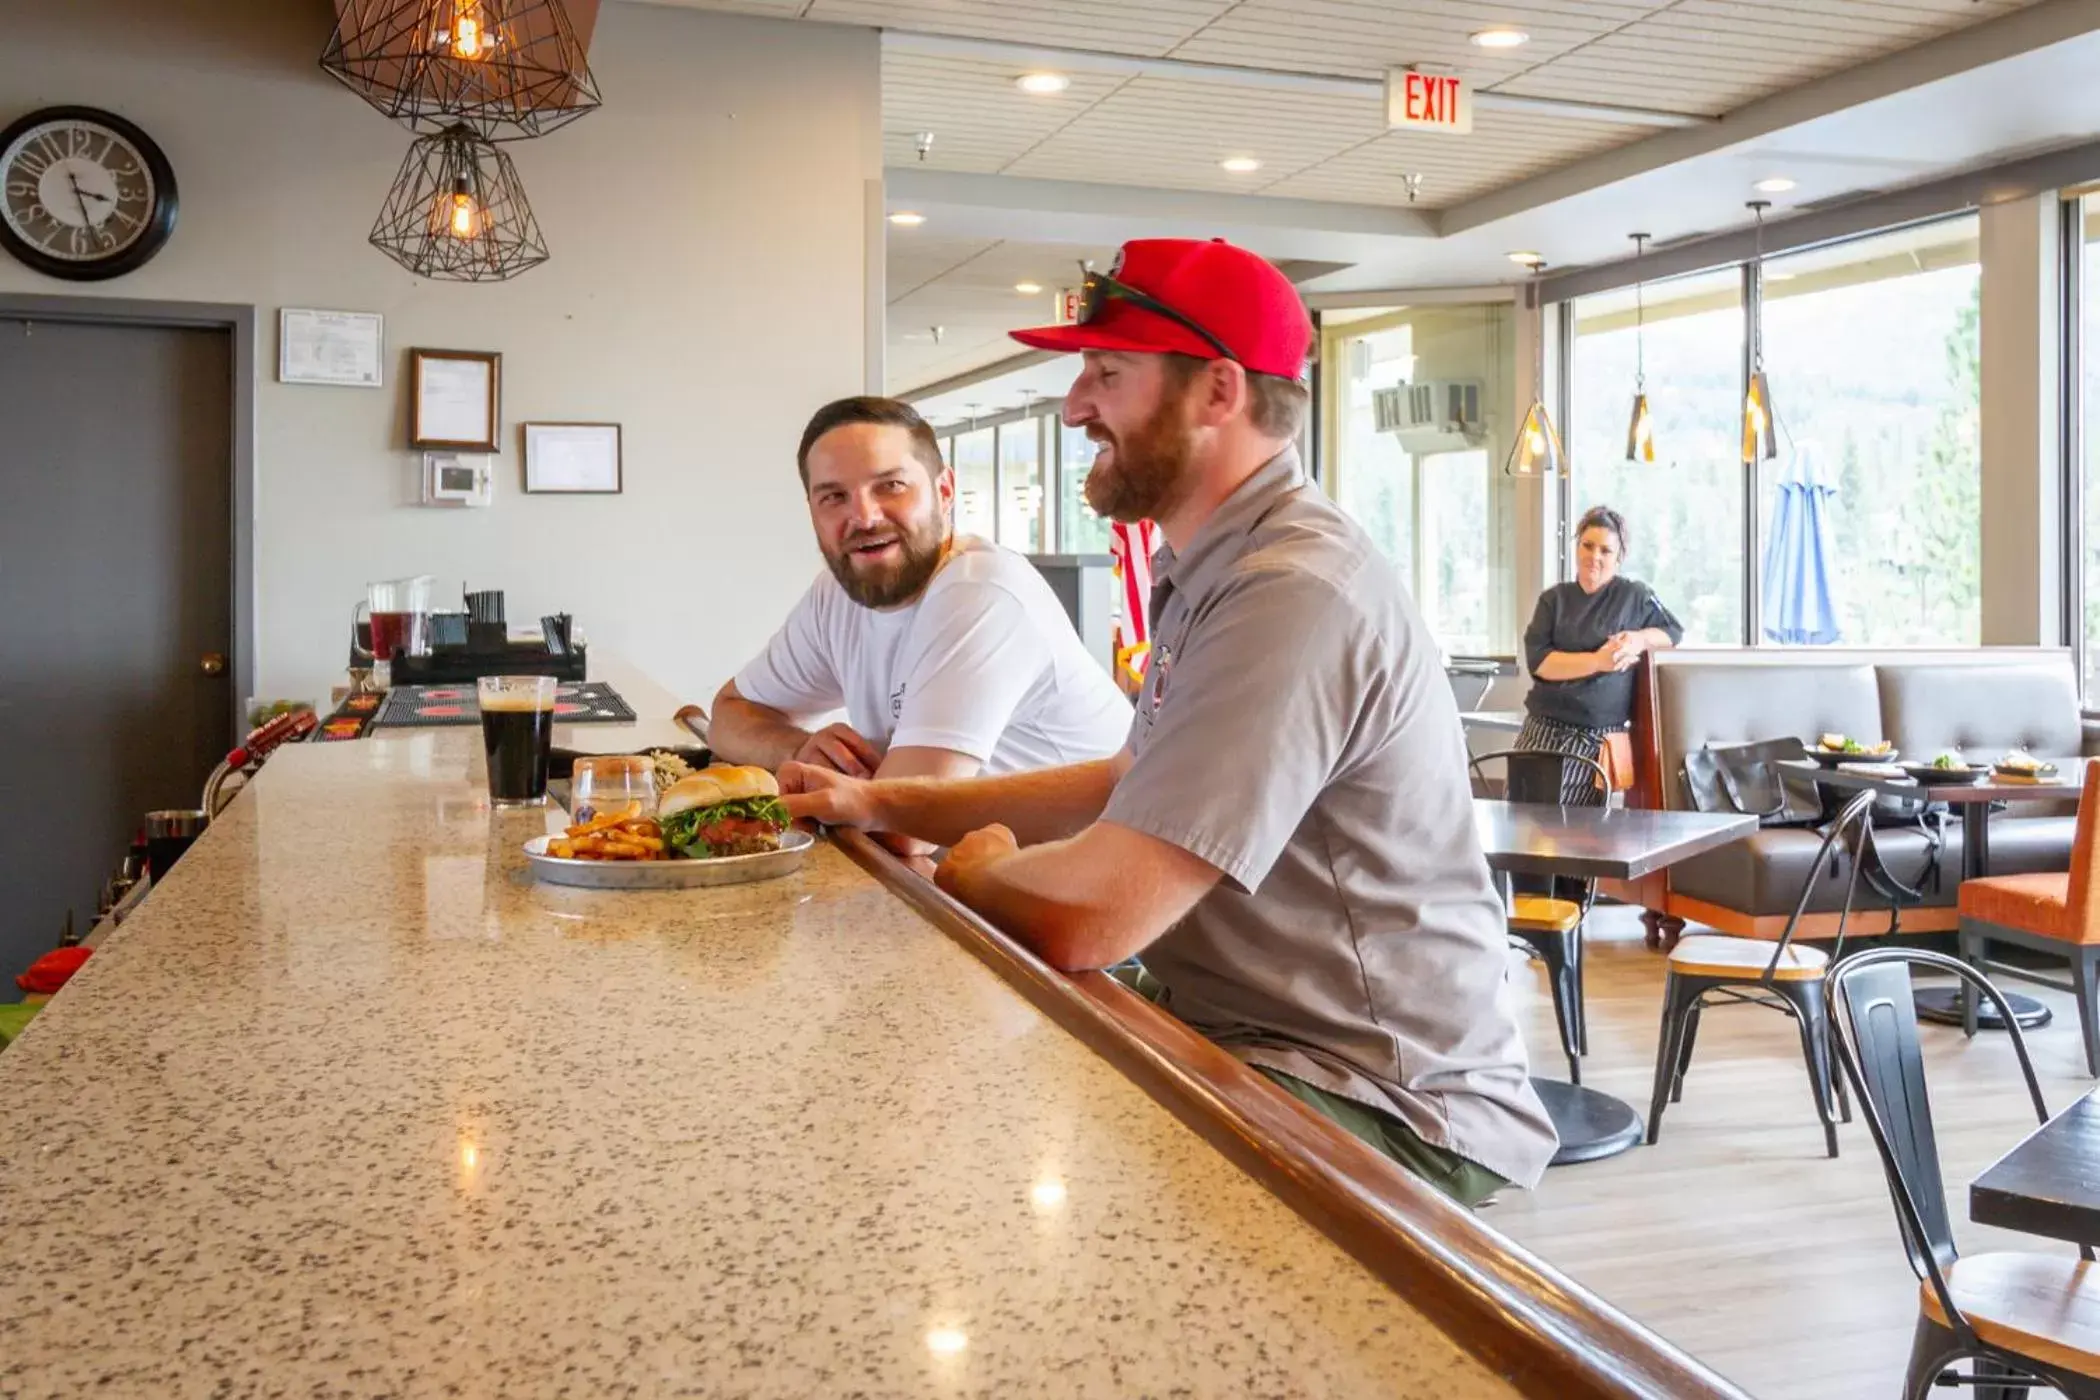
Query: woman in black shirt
{"points": [[1584, 640]]}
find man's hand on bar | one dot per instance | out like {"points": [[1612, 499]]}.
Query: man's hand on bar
{"points": [[819, 794], [982, 848], [841, 748]]}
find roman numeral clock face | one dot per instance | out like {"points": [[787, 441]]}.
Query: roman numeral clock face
{"points": [[84, 194]]}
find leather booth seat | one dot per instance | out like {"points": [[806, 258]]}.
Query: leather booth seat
{"points": [[1981, 702]]}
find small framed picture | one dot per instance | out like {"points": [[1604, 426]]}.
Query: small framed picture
{"points": [[330, 347], [573, 458], [454, 400]]}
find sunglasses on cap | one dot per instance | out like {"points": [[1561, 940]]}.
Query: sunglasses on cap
{"points": [[1099, 289]]}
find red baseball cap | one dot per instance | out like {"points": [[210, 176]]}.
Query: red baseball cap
{"points": [[1239, 297]]}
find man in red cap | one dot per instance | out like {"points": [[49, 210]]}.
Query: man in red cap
{"points": [[1286, 843]]}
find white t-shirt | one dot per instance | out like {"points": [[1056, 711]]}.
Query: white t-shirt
{"points": [[984, 662]]}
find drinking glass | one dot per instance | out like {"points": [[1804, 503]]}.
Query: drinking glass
{"points": [[609, 783], [517, 732]]}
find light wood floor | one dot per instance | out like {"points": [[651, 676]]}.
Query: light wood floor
{"points": [[1735, 1237]]}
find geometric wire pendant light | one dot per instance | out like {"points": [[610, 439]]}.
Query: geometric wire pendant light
{"points": [[506, 69], [1640, 427], [457, 212], [1760, 432], [1536, 452]]}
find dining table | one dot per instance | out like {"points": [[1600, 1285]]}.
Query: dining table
{"points": [[1594, 843], [2050, 1183], [1973, 800]]}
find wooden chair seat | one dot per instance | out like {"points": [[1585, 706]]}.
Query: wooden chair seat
{"points": [[1717, 955], [1536, 912], [2043, 1306], [2038, 903]]}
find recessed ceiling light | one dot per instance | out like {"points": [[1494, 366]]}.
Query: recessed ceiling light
{"points": [[1501, 36], [1777, 184], [1526, 259], [1028, 289], [1042, 84], [904, 218], [1240, 165]]}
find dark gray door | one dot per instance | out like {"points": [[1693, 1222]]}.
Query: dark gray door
{"points": [[115, 587]]}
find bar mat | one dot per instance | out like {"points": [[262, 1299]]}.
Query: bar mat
{"points": [[431, 706], [350, 720]]}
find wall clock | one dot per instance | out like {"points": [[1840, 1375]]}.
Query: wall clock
{"points": [[84, 194]]}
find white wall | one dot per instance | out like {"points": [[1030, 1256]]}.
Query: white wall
{"points": [[706, 290]]}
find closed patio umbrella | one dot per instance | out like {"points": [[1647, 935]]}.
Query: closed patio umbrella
{"points": [[1798, 606]]}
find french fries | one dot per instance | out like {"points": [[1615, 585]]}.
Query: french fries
{"points": [[622, 835]]}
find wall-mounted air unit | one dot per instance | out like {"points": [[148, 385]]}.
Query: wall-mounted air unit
{"points": [[1435, 415]]}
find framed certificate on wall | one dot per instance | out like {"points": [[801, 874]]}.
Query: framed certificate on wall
{"points": [[573, 458], [454, 397]]}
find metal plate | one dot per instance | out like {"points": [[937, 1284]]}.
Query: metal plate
{"points": [[669, 874]]}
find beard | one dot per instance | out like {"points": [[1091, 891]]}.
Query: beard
{"points": [[1147, 476], [893, 579]]}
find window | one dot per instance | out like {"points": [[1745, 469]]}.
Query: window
{"points": [[1079, 530], [2088, 331], [972, 459], [1021, 485], [1425, 486], [1872, 351], [1684, 510]]}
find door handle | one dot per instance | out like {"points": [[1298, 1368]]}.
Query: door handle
{"points": [[213, 663]]}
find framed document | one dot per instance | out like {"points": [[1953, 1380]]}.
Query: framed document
{"points": [[330, 347], [572, 458], [454, 399]]}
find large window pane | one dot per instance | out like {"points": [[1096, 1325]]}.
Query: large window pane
{"points": [[2089, 322], [1684, 511], [1872, 351], [1021, 485], [1425, 487], [1080, 531], [973, 483]]}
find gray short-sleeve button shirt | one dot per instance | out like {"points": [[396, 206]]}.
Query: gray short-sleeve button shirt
{"points": [[1295, 730]]}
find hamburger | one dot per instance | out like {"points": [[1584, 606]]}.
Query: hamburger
{"points": [[722, 811]]}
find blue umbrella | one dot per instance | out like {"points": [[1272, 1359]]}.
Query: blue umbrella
{"points": [[1798, 606]]}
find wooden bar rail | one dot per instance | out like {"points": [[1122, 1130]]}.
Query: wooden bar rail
{"points": [[1545, 1333]]}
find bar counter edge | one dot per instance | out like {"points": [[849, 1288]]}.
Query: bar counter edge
{"points": [[1539, 1329]]}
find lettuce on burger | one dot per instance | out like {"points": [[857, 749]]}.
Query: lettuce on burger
{"points": [[722, 811]]}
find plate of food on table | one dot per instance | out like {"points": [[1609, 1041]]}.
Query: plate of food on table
{"points": [[1948, 769], [722, 825], [1832, 749], [2020, 766]]}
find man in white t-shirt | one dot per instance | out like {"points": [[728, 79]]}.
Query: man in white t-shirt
{"points": [[949, 654]]}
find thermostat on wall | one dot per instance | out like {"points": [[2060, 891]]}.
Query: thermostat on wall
{"points": [[457, 479]]}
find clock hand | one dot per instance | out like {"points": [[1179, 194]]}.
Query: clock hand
{"points": [[80, 199]]}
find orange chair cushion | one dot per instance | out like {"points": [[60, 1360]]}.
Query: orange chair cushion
{"points": [[1531, 911], [2035, 903]]}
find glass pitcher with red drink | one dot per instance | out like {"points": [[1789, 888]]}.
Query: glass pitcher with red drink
{"points": [[399, 613]]}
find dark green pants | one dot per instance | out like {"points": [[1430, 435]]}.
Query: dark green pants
{"points": [[1465, 1181]]}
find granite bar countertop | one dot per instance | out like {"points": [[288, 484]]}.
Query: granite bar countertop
{"points": [[351, 1106]]}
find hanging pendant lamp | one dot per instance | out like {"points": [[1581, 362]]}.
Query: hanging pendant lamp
{"points": [[457, 212], [1760, 431], [507, 69], [1536, 452], [1640, 428]]}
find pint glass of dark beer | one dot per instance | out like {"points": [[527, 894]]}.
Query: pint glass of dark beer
{"points": [[517, 729]]}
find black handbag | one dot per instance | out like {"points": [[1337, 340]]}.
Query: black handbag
{"points": [[1747, 778]]}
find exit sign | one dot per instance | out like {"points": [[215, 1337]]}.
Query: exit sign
{"points": [[1419, 101]]}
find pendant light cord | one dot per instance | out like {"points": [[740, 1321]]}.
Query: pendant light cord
{"points": [[1640, 317]]}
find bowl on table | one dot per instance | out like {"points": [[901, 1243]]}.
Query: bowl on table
{"points": [[1884, 752], [1933, 775]]}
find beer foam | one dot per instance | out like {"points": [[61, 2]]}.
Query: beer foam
{"points": [[516, 702]]}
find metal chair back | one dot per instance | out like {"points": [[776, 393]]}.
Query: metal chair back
{"points": [[1536, 775], [1856, 816], [1877, 1034]]}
